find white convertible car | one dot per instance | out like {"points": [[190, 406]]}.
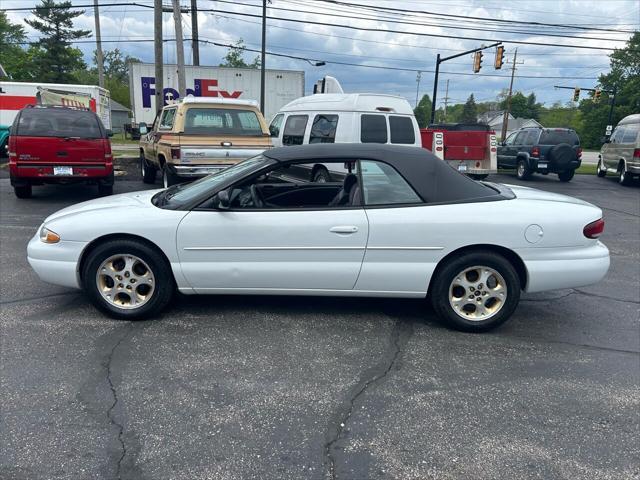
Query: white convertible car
{"points": [[400, 223]]}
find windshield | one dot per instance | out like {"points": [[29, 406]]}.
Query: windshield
{"points": [[222, 121], [184, 194], [58, 122]]}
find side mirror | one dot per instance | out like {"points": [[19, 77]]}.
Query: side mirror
{"points": [[223, 199], [109, 133], [143, 128]]}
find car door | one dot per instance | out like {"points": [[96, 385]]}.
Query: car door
{"points": [[507, 152], [401, 254], [610, 155], [295, 249]]}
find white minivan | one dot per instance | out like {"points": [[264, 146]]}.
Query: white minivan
{"points": [[344, 118]]}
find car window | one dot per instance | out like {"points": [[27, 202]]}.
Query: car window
{"points": [[166, 121], [294, 130], [532, 138], [323, 129], [373, 129], [383, 185], [631, 133], [555, 137], [618, 133], [511, 138], [276, 123], [401, 129], [520, 138], [222, 121], [291, 186], [58, 122]]}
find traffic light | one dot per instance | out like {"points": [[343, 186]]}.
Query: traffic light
{"points": [[576, 94], [499, 57], [596, 95], [477, 62]]}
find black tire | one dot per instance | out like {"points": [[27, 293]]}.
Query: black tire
{"points": [[566, 176], [523, 172], [169, 178], [444, 276], [600, 171], [147, 171], [105, 190], [23, 191], [623, 176], [163, 290], [560, 157], [322, 175], [478, 176]]}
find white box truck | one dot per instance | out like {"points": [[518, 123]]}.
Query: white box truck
{"points": [[282, 86]]}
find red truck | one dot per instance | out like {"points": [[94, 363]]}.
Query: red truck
{"points": [[469, 148]]}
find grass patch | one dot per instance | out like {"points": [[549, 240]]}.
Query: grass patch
{"points": [[587, 169], [124, 153], [119, 138]]}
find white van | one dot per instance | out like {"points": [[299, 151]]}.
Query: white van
{"points": [[345, 118]]}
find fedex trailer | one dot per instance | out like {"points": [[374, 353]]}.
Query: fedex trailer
{"points": [[281, 86]]}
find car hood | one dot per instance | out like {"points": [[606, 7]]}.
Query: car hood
{"points": [[133, 199], [527, 193]]}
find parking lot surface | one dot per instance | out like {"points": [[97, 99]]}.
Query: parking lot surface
{"points": [[237, 387]]}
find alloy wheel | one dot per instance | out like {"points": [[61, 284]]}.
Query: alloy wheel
{"points": [[477, 293], [125, 281]]}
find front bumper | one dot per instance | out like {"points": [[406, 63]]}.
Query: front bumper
{"points": [[569, 267], [56, 263]]}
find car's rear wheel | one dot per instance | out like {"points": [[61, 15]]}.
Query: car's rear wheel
{"points": [[169, 178], [566, 176], [523, 172], [623, 176], [600, 170], [127, 279], [23, 191], [322, 176], [147, 171], [476, 291]]}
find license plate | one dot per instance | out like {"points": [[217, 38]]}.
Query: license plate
{"points": [[542, 165], [63, 170], [462, 168]]}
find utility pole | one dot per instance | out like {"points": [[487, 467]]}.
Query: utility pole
{"points": [[446, 101], [418, 77], [177, 20], [157, 49], [195, 47], [263, 54], [99, 57], [505, 118]]}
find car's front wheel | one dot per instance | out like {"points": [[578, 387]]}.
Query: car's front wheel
{"points": [[600, 170], [476, 291], [127, 279]]}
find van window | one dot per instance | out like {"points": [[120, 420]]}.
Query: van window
{"points": [[618, 133], [323, 129], [57, 122], [294, 130], [631, 133], [401, 130], [168, 116], [276, 123], [373, 129]]}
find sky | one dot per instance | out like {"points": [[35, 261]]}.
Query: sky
{"points": [[378, 47]]}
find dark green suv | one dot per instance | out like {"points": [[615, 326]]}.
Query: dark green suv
{"points": [[541, 150]]}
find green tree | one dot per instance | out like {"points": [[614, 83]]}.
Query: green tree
{"points": [[533, 107], [54, 57], [233, 58], [12, 55], [470, 111], [423, 111], [116, 64]]}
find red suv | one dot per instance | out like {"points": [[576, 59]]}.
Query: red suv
{"points": [[50, 144]]}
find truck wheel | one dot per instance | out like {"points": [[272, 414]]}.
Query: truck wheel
{"points": [[623, 177], [147, 171], [23, 191], [523, 172], [566, 176], [322, 175], [169, 178], [105, 190], [478, 176], [600, 170]]}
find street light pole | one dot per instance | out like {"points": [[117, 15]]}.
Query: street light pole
{"points": [[177, 20], [99, 57], [157, 47]]}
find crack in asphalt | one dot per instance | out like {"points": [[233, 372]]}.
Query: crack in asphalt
{"points": [[606, 297], [114, 393], [400, 335], [43, 297]]}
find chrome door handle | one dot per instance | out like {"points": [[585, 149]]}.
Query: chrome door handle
{"points": [[344, 229]]}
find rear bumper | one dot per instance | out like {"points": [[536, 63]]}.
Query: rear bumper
{"points": [[22, 172], [553, 269], [633, 167], [539, 165]]}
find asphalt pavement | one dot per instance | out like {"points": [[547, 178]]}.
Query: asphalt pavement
{"points": [[237, 387]]}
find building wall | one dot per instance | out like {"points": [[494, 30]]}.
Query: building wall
{"points": [[118, 119]]}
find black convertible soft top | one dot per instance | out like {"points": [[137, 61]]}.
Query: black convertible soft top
{"points": [[433, 179]]}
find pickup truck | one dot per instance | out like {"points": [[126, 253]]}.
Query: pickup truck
{"points": [[199, 136]]}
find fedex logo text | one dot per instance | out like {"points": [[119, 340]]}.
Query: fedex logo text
{"points": [[201, 88]]}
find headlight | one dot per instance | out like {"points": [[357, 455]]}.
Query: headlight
{"points": [[47, 236]]}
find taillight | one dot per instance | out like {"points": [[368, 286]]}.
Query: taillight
{"points": [[594, 229], [579, 152], [636, 153], [535, 152], [175, 153]]}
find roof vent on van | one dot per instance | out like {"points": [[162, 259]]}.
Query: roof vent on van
{"points": [[385, 109]]}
